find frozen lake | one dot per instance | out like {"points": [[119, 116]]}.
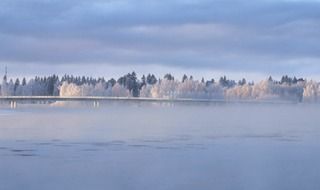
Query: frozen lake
{"points": [[161, 147]]}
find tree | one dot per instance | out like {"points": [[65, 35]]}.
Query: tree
{"points": [[226, 83], [168, 76], [242, 82], [151, 79], [16, 85], [210, 82], [51, 84], [223, 81], [24, 82], [143, 82], [111, 82], [122, 81], [184, 78]]}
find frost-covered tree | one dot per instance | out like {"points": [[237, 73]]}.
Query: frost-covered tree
{"points": [[311, 92], [70, 89], [119, 90], [242, 91]]}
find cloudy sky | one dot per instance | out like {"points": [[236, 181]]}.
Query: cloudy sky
{"points": [[203, 37]]}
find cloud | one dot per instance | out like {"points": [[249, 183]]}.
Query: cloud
{"points": [[260, 36]]}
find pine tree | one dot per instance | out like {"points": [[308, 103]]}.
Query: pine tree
{"points": [[24, 82], [184, 78], [16, 85]]}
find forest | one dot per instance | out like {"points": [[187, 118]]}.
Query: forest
{"points": [[168, 86]]}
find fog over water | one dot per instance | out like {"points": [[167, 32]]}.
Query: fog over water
{"points": [[160, 146]]}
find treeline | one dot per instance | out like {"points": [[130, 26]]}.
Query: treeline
{"points": [[287, 88]]}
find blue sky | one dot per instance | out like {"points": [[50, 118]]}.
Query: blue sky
{"points": [[202, 37]]}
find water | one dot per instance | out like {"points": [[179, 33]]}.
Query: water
{"points": [[153, 146]]}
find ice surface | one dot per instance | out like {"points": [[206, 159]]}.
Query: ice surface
{"points": [[154, 146]]}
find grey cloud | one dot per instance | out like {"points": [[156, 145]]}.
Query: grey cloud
{"points": [[262, 36]]}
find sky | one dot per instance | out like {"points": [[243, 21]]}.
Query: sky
{"points": [[239, 38]]}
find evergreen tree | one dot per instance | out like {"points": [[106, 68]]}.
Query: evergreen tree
{"points": [[242, 82], [185, 77], [168, 76], [16, 85], [24, 82], [112, 82], [143, 81], [151, 79]]}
